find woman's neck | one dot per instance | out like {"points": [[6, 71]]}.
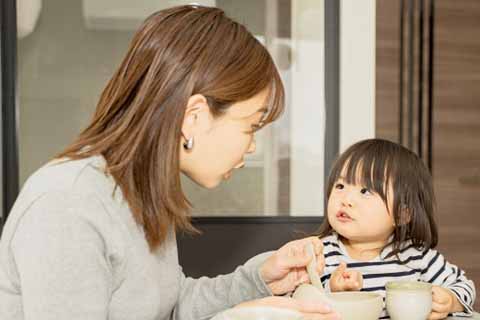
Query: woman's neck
{"points": [[363, 250]]}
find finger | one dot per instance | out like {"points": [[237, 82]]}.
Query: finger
{"points": [[318, 246], [437, 316], [355, 286], [340, 283], [440, 294], [296, 260], [359, 278], [439, 307], [353, 275], [292, 256], [302, 277], [341, 268], [351, 284], [300, 244]]}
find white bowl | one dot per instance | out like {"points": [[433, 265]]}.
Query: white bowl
{"points": [[408, 300], [351, 305], [259, 313]]}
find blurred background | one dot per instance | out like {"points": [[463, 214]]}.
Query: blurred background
{"points": [[404, 70]]}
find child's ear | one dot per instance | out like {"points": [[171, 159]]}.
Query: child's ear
{"points": [[405, 215]]}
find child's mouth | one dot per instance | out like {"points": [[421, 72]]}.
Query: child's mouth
{"points": [[342, 216]]}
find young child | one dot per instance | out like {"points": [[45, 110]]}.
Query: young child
{"points": [[380, 228]]}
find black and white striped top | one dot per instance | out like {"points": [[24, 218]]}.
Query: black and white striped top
{"points": [[429, 266]]}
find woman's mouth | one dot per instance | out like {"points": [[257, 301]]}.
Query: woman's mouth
{"points": [[227, 175], [342, 216]]}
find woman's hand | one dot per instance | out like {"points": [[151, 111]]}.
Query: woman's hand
{"points": [[310, 310], [344, 279], [286, 268], [444, 302]]}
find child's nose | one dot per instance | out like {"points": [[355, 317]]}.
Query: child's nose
{"points": [[347, 200]]}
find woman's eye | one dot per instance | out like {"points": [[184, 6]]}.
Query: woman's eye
{"points": [[339, 186], [365, 191]]}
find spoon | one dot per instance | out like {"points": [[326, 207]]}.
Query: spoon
{"points": [[312, 268]]}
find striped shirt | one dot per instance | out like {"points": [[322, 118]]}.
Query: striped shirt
{"points": [[428, 266]]}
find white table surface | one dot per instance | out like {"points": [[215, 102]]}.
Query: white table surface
{"points": [[476, 316]]}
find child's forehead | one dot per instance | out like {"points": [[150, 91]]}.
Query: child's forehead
{"points": [[352, 172], [363, 174]]}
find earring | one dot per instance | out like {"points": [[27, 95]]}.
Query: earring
{"points": [[188, 145]]}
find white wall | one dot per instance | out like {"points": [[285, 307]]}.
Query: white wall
{"points": [[357, 71], [307, 110]]}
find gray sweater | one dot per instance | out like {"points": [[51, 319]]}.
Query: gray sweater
{"points": [[71, 250]]}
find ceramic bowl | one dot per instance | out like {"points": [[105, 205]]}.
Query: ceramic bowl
{"points": [[408, 300], [351, 305], [259, 313]]}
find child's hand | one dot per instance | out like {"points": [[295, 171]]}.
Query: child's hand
{"points": [[343, 279], [444, 302]]}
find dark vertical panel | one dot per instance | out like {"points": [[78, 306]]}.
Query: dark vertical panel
{"points": [[2, 213], [456, 131], [431, 21], [332, 71], [401, 73], [410, 72], [10, 183], [420, 79]]}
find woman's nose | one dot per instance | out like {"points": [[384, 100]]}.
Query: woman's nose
{"points": [[252, 147]]}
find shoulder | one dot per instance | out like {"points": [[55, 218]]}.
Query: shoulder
{"points": [[67, 175], [57, 213], [65, 188], [64, 195], [61, 225], [415, 257], [432, 257]]}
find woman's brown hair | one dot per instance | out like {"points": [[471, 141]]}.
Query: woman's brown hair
{"points": [[176, 53], [377, 164]]}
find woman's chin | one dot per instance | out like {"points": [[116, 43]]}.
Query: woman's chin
{"points": [[210, 184], [204, 183]]}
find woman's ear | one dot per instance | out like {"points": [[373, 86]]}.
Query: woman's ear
{"points": [[197, 118]]}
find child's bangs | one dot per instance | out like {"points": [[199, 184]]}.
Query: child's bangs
{"points": [[368, 169]]}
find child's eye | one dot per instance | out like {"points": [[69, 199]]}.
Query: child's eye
{"points": [[339, 186], [365, 191]]}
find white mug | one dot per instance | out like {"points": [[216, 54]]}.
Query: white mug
{"points": [[410, 300]]}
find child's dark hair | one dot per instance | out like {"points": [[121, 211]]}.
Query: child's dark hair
{"points": [[376, 164]]}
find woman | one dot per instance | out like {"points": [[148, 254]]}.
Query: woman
{"points": [[92, 234]]}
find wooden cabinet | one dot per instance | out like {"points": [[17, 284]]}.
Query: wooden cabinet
{"points": [[455, 109]]}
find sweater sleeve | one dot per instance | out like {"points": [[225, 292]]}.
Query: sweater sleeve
{"points": [[203, 298], [59, 257], [438, 271]]}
